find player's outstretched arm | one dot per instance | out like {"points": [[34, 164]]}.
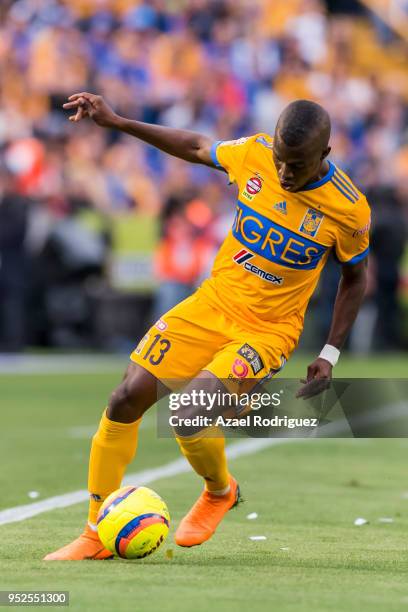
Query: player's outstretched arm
{"points": [[187, 145], [349, 298]]}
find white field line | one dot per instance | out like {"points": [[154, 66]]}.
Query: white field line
{"points": [[174, 468], [61, 364], [180, 466]]}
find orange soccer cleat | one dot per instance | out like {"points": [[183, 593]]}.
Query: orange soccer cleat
{"points": [[206, 514], [87, 546]]}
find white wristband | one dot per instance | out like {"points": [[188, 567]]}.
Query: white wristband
{"points": [[330, 353]]}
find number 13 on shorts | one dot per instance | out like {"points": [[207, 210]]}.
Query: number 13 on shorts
{"points": [[153, 349]]}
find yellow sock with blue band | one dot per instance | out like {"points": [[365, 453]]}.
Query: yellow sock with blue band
{"points": [[206, 454], [113, 448]]}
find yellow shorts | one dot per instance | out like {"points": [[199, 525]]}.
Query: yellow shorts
{"points": [[195, 336]]}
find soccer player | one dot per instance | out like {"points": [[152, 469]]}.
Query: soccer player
{"points": [[294, 207]]}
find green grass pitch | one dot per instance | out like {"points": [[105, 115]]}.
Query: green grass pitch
{"points": [[307, 495]]}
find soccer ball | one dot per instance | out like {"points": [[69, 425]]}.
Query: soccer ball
{"points": [[133, 522]]}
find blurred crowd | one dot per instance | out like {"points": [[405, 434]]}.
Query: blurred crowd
{"points": [[222, 67]]}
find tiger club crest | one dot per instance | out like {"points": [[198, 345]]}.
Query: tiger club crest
{"points": [[311, 222]]}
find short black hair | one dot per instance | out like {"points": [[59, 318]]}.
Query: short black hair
{"points": [[303, 120]]}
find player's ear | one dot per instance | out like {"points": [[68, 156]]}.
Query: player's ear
{"points": [[325, 153]]}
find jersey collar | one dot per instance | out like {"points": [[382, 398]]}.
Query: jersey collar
{"points": [[323, 180]]}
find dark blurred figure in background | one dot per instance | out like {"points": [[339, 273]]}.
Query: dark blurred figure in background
{"points": [[68, 272], [388, 238], [13, 264]]}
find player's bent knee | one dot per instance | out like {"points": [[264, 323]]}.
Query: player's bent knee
{"points": [[198, 417], [126, 403], [135, 394]]}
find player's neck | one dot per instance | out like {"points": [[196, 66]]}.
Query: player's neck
{"points": [[324, 169], [320, 177]]}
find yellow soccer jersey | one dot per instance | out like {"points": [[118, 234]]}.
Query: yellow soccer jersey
{"points": [[270, 262]]}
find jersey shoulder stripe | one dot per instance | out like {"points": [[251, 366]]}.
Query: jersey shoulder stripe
{"points": [[344, 188], [344, 191], [264, 141], [345, 181]]}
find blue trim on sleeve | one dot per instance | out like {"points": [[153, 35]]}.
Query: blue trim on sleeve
{"points": [[357, 258], [213, 154], [322, 181]]}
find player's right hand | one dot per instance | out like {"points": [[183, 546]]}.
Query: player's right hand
{"points": [[90, 105], [319, 375]]}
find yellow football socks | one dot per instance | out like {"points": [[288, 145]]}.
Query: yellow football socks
{"points": [[113, 448], [206, 454]]}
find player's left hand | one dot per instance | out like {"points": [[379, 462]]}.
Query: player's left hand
{"points": [[319, 374]]}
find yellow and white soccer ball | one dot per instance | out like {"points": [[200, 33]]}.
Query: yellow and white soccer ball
{"points": [[133, 522]]}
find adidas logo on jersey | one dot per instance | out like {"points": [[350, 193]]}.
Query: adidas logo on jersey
{"points": [[281, 207]]}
